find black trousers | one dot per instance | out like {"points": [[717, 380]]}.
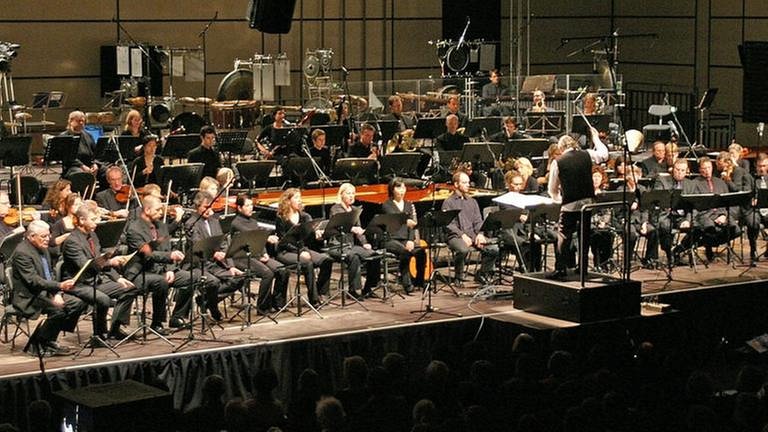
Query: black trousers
{"points": [[397, 247], [58, 318], [101, 301], [316, 259], [355, 256]]}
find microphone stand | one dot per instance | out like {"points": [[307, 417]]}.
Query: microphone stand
{"points": [[203, 34], [150, 62], [321, 176]]}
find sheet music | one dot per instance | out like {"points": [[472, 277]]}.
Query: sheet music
{"points": [[518, 200]]}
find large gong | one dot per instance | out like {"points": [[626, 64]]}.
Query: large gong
{"points": [[237, 85]]}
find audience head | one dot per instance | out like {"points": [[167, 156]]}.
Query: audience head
{"points": [[330, 414]]}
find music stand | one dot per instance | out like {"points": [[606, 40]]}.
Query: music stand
{"points": [[482, 153], [404, 164], [431, 222], [185, 177], [358, 171], [334, 134], [381, 226], [14, 151], [299, 171], [61, 149], [761, 203], [106, 152], [255, 172], [501, 220], [299, 235], [245, 244], [178, 146], [109, 232], [599, 122], [339, 225], [544, 123], [287, 140], [388, 128], [45, 100], [429, 128], [541, 214], [528, 147], [490, 125], [232, 142]]}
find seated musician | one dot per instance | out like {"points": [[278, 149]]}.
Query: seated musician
{"points": [[269, 270], [739, 180], [553, 153], [518, 237], [205, 153], [451, 140], [356, 247], [453, 106], [321, 151], [602, 232], [539, 103], [269, 143], [146, 167], [494, 89], [134, 125], [364, 147], [760, 214], [107, 199], [53, 200], [158, 269], [671, 153], [590, 105], [737, 154], [524, 166], [657, 162], [675, 218], [209, 185], [5, 207], [405, 121], [225, 178], [509, 132], [464, 231], [84, 160], [62, 228], [36, 290], [290, 212], [402, 242], [717, 225], [82, 245], [221, 268]]}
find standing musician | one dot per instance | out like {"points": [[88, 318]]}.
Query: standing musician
{"points": [[158, 268], [406, 122], [675, 218], [464, 231], [364, 147], [718, 225], [403, 242], [77, 249], [107, 199], [290, 212], [36, 290], [321, 151], [570, 183], [84, 159], [509, 132], [264, 267], [453, 106], [146, 167], [451, 140], [205, 152], [356, 247], [134, 125], [221, 270]]}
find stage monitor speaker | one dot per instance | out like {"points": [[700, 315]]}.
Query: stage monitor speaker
{"points": [[271, 16], [754, 60]]}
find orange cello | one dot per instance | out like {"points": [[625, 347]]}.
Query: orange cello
{"points": [[420, 243]]}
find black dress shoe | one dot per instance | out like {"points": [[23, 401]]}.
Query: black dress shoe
{"points": [[178, 323], [482, 279], [117, 334], [557, 275], [159, 329]]}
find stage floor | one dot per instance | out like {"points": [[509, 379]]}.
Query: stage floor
{"points": [[353, 318]]}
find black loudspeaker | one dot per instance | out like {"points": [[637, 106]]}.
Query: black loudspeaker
{"points": [[754, 60], [271, 16]]}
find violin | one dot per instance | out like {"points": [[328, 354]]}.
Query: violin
{"points": [[221, 203], [27, 215], [124, 194]]}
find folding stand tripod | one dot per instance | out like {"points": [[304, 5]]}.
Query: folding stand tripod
{"points": [[298, 235], [338, 226], [247, 242], [431, 222], [95, 341], [383, 225]]}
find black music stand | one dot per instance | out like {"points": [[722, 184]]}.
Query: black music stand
{"points": [[488, 125], [599, 122], [699, 202], [432, 222], [300, 235], [429, 128], [381, 226], [300, 171], [334, 135], [107, 152], [339, 225], [485, 154], [232, 142], [541, 214], [61, 149], [287, 140], [387, 128], [544, 123], [501, 220], [527, 147], [404, 164], [245, 244], [358, 171], [255, 172], [761, 202], [178, 146], [14, 151], [183, 178], [204, 250]]}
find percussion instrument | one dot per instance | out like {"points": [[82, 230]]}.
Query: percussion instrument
{"points": [[237, 114], [191, 121]]}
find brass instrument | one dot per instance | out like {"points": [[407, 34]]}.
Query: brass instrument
{"points": [[403, 141]]}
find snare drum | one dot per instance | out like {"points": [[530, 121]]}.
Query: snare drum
{"points": [[238, 114]]}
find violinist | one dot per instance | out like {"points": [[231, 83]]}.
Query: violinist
{"points": [[290, 212], [5, 206], [108, 198], [206, 153], [403, 242], [262, 265], [356, 246], [146, 167], [61, 229]]}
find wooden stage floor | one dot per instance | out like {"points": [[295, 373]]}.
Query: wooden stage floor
{"points": [[354, 318]]}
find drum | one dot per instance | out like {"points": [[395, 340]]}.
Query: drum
{"points": [[238, 114], [160, 113], [237, 85], [191, 121]]}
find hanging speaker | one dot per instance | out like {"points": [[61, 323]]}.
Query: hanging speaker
{"points": [[271, 16], [754, 60]]}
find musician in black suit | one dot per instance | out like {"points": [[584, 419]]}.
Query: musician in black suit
{"points": [[675, 218], [657, 162], [403, 242], [269, 270], [364, 147], [107, 199], [220, 269], [453, 106], [206, 153], [451, 140], [84, 160], [36, 290], [509, 132], [83, 245], [738, 179], [405, 121], [718, 225], [320, 150], [146, 167]]}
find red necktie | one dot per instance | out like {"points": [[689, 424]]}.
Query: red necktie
{"points": [[92, 246]]}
